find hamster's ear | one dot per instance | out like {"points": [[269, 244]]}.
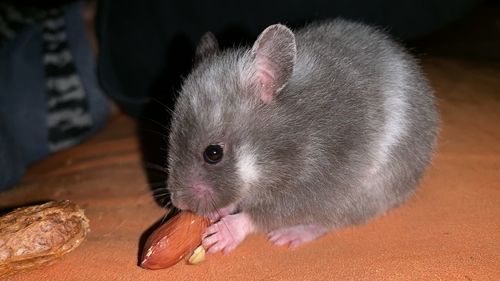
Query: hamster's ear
{"points": [[275, 54], [207, 46]]}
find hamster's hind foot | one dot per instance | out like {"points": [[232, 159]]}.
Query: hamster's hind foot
{"points": [[296, 235]]}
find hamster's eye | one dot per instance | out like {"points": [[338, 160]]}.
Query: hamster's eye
{"points": [[213, 154]]}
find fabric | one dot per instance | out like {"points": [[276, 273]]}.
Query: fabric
{"points": [[49, 96], [68, 114]]}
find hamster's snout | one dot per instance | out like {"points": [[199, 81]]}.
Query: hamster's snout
{"points": [[197, 197], [201, 191], [178, 203]]}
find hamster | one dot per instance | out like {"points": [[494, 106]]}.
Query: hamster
{"points": [[301, 134]]}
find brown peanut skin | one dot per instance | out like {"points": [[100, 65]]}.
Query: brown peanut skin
{"points": [[174, 240]]}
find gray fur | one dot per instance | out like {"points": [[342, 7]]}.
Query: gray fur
{"points": [[207, 46], [317, 144]]}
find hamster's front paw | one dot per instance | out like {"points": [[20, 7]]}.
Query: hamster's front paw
{"points": [[227, 233], [296, 235]]}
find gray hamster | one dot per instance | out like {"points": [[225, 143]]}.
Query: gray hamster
{"points": [[301, 134]]}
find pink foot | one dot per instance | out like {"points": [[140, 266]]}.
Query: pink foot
{"points": [[228, 233], [296, 235]]}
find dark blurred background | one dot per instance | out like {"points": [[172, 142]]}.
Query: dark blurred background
{"points": [[159, 37], [144, 48]]}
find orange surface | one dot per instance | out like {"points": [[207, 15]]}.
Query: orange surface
{"points": [[449, 231]]}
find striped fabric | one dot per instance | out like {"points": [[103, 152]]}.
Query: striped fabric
{"points": [[68, 109], [13, 20], [68, 114]]}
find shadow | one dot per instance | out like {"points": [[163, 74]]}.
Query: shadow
{"points": [[473, 36], [6, 210], [153, 126], [233, 36], [145, 235], [153, 146]]}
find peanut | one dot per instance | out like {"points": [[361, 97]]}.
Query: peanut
{"points": [[36, 236]]}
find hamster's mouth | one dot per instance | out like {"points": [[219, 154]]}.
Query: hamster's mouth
{"points": [[202, 207], [206, 204], [230, 209], [209, 210]]}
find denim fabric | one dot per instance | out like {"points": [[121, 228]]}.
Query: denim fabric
{"points": [[23, 100]]}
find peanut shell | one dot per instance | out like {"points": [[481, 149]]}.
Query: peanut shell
{"points": [[36, 236]]}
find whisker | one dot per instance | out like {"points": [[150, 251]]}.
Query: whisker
{"points": [[156, 185], [220, 215], [159, 181], [197, 207], [155, 122], [169, 110], [167, 214], [155, 167], [156, 171], [169, 204], [163, 134], [162, 197], [160, 190]]}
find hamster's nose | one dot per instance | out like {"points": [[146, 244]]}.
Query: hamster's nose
{"points": [[202, 191]]}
